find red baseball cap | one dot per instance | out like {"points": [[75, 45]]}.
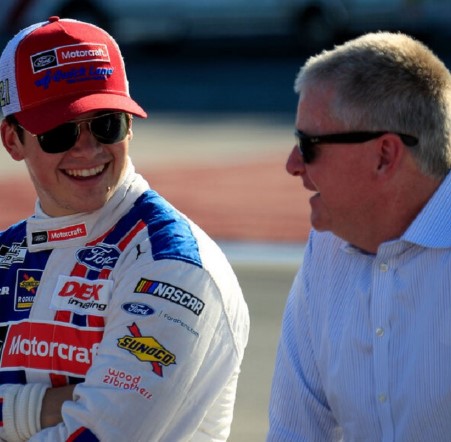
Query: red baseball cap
{"points": [[54, 71]]}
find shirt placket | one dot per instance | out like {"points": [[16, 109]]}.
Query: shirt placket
{"points": [[382, 283]]}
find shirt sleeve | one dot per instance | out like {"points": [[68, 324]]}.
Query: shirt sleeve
{"points": [[298, 407], [167, 366]]}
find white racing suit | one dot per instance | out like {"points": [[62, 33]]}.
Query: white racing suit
{"points": [[134, 304]]}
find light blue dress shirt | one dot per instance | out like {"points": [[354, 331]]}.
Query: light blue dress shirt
{"points": [[365, 350]]}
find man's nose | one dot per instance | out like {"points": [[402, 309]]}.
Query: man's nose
{"points": [[86, 143], [295, 163]]}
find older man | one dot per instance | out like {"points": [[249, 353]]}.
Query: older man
{"points": [[365, 348]]}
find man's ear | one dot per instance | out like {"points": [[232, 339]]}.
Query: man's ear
{"points": [[390, 153], [11, 141]]}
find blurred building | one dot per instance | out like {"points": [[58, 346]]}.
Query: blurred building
{"points": [[311, 23]]}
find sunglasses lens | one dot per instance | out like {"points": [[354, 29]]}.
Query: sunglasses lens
{"points": [[107, 129], [60, 139], [308, 152], [306, 149], [111, 128]]}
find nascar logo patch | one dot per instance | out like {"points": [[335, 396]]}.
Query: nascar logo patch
{"points": [[170, 293]]}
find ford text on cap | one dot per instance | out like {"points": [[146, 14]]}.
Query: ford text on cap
{"points": [[54, 71]]}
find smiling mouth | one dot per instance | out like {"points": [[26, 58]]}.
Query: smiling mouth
{"points": [[85, 173]]}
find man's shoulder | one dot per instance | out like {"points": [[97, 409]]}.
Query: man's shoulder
{"points": [[14, 232], [174, 236], [171, 233]]}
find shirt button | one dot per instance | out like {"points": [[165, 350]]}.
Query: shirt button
{"points": [[379, 332], [383, 267], [382, 398]]}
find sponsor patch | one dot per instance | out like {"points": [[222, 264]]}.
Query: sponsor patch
{"points": [[180, 323], [70, 232], [98, 257], [44, 60], [74, 75], [77, 53], [50, 347], [15, 254], [125, 381], [81, 295], [170, 293], [28, 281], [136, 308], [146, 349]]}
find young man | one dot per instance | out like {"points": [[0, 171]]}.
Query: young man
{"points": [[108, 287], [365, 348]]}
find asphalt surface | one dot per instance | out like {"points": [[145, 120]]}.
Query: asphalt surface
{"points": [[265, 288]]}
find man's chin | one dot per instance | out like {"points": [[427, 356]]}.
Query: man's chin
{"points": [[319, 223]]}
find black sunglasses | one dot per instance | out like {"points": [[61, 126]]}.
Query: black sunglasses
{"points": [[107, 128], [306, 144]]}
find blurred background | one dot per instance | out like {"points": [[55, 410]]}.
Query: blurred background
{"points": [[216, 77], [309, 23]]}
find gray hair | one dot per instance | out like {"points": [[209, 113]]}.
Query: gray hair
{"points": [[389, 81]]}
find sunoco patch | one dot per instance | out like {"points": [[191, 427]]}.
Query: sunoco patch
{"points": [[26, 286]]}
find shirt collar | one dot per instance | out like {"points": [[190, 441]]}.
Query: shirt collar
{"points": [[432, 226]]}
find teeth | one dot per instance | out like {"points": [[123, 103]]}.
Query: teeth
{"points": [[85, 172]]}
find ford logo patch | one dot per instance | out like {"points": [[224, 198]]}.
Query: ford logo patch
{"points": [[44, 60], [99, 256], [136, 308]]}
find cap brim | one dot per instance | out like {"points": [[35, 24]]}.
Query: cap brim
{"points": [[49, 115]]}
